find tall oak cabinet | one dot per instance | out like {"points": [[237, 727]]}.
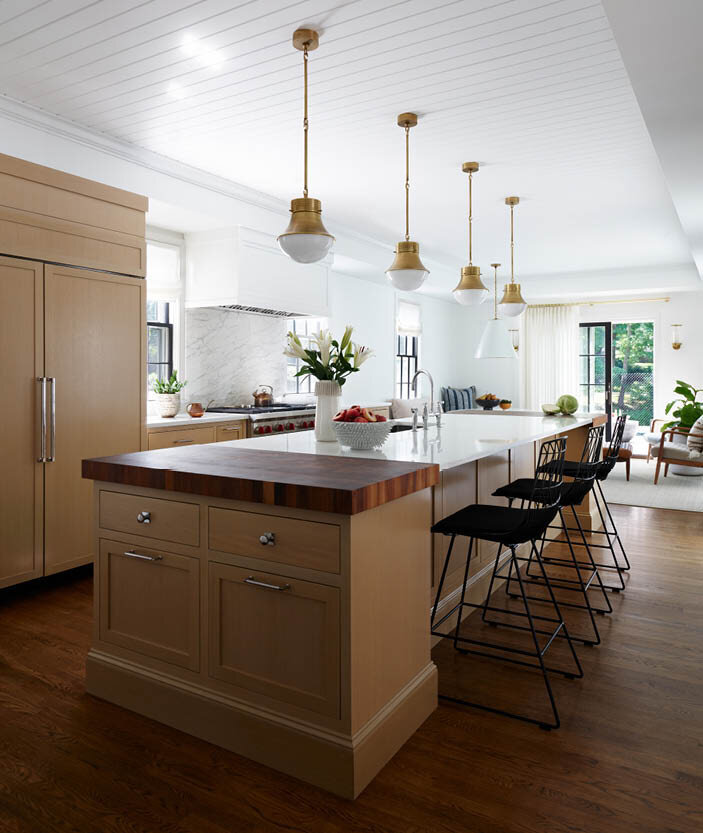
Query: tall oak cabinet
{"points": [[72, 357]]}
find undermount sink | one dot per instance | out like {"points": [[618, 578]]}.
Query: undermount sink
{"points": [[396, 428]]}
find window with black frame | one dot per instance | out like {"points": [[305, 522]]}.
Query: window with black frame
{"points": [[159, 339], [405, 364]]}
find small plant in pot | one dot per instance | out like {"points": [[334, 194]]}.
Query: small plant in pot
{"points": [[168, 395], [687, 408]]}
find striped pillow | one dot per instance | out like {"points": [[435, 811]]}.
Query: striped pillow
{"points": [[694, 441], [458, 399]]}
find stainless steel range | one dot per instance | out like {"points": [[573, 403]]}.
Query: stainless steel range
{"points": [[272, 419]]}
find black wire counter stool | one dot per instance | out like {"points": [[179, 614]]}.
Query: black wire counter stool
{"points": [[509, 528], [585, 572], [609, 530]]}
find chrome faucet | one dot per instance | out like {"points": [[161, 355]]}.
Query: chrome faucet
{"points": [[432, 412]]}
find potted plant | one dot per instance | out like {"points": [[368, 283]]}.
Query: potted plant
{"points": [[330, 362], [168, 395], [688, 407]]}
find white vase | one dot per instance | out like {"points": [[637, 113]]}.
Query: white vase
{"points": [[328, 396], [168, 404]]}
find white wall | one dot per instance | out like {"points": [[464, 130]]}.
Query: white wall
{"points": [[669, 365], [371, 309]]}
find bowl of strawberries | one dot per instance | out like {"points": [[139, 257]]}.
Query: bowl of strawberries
{"points": [[360, 428]]}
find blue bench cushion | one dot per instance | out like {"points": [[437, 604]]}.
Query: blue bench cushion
{"points": [[458, 399]]}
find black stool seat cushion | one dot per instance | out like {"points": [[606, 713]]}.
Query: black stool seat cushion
{"points": [[497, 523], [522, 489], [572, 468]]}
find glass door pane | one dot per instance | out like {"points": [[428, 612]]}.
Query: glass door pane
{"points": [[595, 369]]}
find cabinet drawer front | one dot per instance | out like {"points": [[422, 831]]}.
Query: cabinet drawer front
{"points": [[185, 436], [149, 602], [302, 543], [283, 643], [230, 432], [167, 520]]}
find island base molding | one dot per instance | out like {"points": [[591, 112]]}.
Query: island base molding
{"points": [[342, 764]]}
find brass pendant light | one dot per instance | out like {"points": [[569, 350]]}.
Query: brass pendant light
{"points": [[512, 303], [306, 240], [496, 342], [407, 272], [470, 290]]}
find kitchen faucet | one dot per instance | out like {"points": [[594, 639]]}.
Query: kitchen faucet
{"points": [[432, 412]]}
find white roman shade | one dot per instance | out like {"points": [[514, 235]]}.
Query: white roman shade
{"points": [[409, 322]]}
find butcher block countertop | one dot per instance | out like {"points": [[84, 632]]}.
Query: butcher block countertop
{"points": [[300, 481]]}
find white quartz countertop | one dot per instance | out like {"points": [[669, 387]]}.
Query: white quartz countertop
{"points": [[462, 438], [186, 421]]}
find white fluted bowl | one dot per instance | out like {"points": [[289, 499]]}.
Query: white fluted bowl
{"points": [[363, 436]]}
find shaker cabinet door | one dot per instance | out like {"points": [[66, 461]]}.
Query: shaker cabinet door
{"points": [[150, 602], [22, 352], [275, 636], [94, 347]]}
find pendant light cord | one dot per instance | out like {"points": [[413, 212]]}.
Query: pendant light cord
{"points": [[305, 120], [471, 217], [407, 182], [495, 292], [512, 245]]}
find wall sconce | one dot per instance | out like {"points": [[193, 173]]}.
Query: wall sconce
{"points": [[676, 336], [515, 336]]}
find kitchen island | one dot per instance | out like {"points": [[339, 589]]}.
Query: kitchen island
{"points": [[272, 596]]}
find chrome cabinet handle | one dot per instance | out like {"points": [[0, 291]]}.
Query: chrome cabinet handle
{"points": [[42, 382], [52, 454], [144, 518], [182, 442], [230, 429], [268, 539], [141, 557], [251, 580]]}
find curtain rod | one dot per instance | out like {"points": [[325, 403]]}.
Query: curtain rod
{"points": [[595, 303]]}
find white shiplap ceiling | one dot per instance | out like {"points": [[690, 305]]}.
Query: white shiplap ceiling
{"points": [[534, 89]]}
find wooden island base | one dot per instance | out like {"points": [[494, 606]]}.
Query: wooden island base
{"points": [[310, 654]]}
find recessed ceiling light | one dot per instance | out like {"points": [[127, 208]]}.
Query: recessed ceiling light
{"points": [[189, 44], [193, 47]]}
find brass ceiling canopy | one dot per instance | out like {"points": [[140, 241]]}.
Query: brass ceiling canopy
{"points": [[306, 240], [470, 289], [512, 303], [407, 272]]}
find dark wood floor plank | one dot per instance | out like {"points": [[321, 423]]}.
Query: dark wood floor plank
{"points": [[629, 756]]}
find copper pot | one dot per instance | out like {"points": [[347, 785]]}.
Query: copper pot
{"points": [[263, 398]]}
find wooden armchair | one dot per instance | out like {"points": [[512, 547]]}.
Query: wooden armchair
{"points": [[651, 429], [668, 453]]}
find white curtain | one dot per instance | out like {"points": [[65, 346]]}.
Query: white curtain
{"points": [[550, 350]]}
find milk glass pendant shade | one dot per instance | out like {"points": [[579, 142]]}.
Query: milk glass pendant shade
{"points": [[407, 272], [470, 290], [496, 341], [306, 240], [512, 303]]}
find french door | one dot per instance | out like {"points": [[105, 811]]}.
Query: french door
{"points": [[596, 369]]}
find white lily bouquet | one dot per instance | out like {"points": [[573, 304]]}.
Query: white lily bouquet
{"points": [[330, 362], [326, 358]]}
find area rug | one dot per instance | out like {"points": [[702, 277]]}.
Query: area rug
{"points": [[672, 492]]}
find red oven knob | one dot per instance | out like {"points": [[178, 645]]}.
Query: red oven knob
{"points": [[259, 429], [279, 427], [290, 426], [267, 430], [312, 423]]}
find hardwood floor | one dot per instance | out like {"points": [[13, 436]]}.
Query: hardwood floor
{"points": [[628, 758]]}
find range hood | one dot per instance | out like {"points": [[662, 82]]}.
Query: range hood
{"points": [[243, 269], [270, 313]]}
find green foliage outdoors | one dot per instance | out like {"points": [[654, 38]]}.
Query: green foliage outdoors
{"points": [[633, 370], [172, 385]]}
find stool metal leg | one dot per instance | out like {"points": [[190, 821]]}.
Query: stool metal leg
{"points": [[463, 591], [441, 582], [615, 529]]}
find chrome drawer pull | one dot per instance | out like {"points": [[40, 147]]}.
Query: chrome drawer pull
{"points": [[42, 381], [144, 518], [230, 429], [268, 539], [253, 581], [132, 554], [177, 442]]}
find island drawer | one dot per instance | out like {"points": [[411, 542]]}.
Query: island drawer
{"points": [[150, 602], [275, 636], [271, 538], [180, 437], [167, 520]]}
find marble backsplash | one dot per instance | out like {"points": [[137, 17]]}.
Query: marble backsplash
{"points": [[228, 354]]}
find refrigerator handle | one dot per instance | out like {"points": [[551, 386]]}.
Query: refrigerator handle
{"points": [[42, 457], [52, 453]]}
